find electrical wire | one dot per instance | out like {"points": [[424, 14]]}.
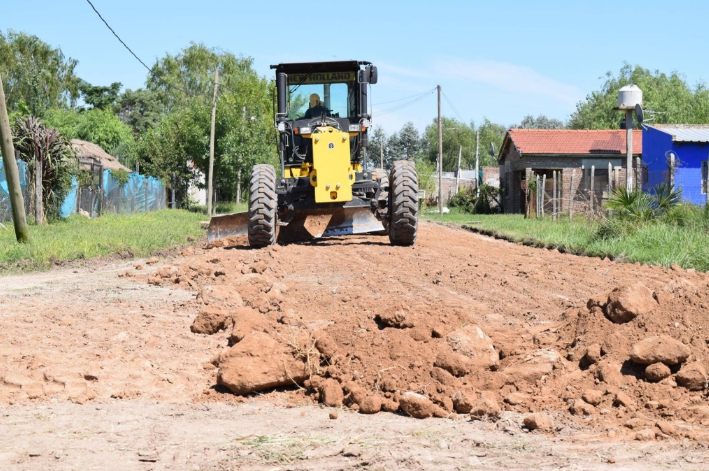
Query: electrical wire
{"points": [[404, 105], [150, 71], [402, 99], [116, 35], [451, 105]]}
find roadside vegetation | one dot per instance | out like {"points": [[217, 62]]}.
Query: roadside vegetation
{"points": [[647, 228], [78, 238]]}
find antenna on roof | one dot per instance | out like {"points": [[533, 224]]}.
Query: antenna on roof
{"points": [[639, 113], [492, 149]]}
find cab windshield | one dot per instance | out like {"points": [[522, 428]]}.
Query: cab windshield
{"points": [[313, 94]]}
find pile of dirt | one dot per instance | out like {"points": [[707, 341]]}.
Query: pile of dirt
{"points": [[631, 360]]}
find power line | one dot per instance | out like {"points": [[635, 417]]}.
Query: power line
{"points": [[451, 105], [405, 105], [402, 99], [116, 35]]}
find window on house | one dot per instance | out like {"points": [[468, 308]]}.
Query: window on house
{"points": [[705, 172]]}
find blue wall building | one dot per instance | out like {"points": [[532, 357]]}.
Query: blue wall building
{"points": [[690, 145]]}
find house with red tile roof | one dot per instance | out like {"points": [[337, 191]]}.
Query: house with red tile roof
{"points": [[587, 164]]}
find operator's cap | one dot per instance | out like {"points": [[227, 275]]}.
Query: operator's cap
{"points": [[314, 100]]}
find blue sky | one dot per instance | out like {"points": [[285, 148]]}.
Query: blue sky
{"points": [[501, 60]]}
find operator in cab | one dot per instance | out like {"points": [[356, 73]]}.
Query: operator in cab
{"points": [[316, 109]]}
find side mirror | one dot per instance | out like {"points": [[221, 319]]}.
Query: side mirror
{"points": [[372, 72]]}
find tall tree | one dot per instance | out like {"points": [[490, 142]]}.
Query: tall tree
{"points": [[140, 109], [98, 96], [540, 122], [457, 134], [405, 144], [670, 95], [36, 76], [244, 122]]}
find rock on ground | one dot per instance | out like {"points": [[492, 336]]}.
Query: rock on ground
{"points": [[472, 342], [625, 303], [660, 348], [398, 316], [416, 405], [331, 393], [210, 320], [247, 320], [657, 372], [486, 406], [539, 421], [463, 401], [592, 396], [258, 362], [693, 377]]}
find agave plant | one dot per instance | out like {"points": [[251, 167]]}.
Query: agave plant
{"points": [[632, 204], [55, 154], [666, 197]]}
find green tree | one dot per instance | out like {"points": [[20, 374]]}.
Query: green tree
{"points": [[457, 134], [140, 109], [101, 127], [540, 122], [100, 97], [670, 95], [377, 144], [405, 144], [35, 75], [244, 133]]}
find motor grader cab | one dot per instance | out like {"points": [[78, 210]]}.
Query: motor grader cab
{"points": [[326, 185]]}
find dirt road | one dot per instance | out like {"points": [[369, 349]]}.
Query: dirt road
{"points": [[99, 367]]}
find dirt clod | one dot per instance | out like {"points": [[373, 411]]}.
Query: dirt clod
{"points": [[592, 396], [331, 393], [416, 405], [538, 421], [486, 407], [210, 320], [660, 348], [693, 377], [625, 303], [657, 372]]}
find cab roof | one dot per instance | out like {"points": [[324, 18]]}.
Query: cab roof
{"points": [[332, 66]]}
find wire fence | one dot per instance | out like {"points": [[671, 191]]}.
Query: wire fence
{"points": [[101, 193], [5, 209]]}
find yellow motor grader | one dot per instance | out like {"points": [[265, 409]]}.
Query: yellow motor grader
{"points": [[326, 187]]}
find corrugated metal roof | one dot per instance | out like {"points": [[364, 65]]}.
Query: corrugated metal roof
{"points": [[685, 132]]}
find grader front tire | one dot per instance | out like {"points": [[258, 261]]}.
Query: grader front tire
{"points": [[262, 206], [403, 208]]}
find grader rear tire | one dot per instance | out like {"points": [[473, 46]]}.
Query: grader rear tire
{"points": [[404, 206], [262, 206]]}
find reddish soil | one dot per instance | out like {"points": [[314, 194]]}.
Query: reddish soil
{"points": [[458, 326], [466, 323]]}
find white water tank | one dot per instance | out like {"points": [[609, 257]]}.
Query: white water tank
{"points": [[629, 96]]}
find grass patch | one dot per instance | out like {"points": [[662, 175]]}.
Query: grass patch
{"points": [[674, 239], [77, 238]]}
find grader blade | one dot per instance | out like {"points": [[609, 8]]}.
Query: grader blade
{"points": [[329, 223], [227, 225]]}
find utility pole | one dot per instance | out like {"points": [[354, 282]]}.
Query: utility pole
{"points": [[457, 175], [477, 163], [381, 153], [440, 154], [17, 203], [211, 143], [629, 125]]}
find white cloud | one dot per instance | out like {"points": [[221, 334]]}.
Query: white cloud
{"points": [[509, 77]]}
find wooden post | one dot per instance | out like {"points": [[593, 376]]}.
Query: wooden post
{"points": [[571, 195], [539, 195], [17, 202], [672, 169], [211, 143], [610, 180], [38, 209], [638, 173], [238, 187], [440, 154], [477, 163], [381, 154], [457, 175], [553, 196], [592, 193], [544, 186]]}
